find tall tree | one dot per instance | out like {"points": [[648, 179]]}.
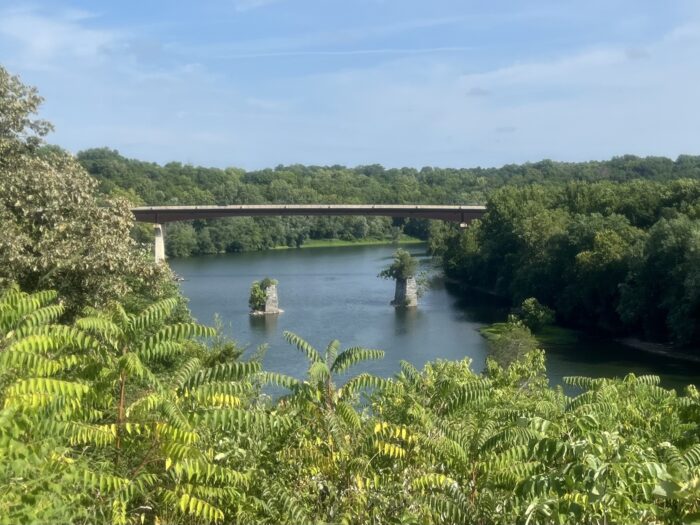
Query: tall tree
{"points": [[59, 232]]}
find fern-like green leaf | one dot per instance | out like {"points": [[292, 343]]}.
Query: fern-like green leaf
{"points": [[353, 356], [178, 332], [100, 327], [283, 380], [308, 350], [223, 372], [348, 414], [468, 393], [362, 382], [153, 315]]}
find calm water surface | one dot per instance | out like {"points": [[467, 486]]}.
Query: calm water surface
{"points": [[334, 293]]}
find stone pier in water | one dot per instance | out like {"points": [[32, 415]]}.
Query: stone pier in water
{"points": [[406, 293], [271, 302]]}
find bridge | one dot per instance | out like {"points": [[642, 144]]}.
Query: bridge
{"points": [[159, 215]]}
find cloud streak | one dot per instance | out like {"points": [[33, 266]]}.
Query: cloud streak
{"points": [[364, 94], [41, 39], [320, 43], [348, 52]]}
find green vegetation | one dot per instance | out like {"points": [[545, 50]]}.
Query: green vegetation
{"points": [[509, 341], [336, 243], [123, 418], [535, 315], [608, 257], [258, 294], [557, 335], [175, 183], [403, 267], [58, 231], [116, 408]]}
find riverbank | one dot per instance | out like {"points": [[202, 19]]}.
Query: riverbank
{"points": [[335, 243], [553, 335], [557, 335], [660, 349]]}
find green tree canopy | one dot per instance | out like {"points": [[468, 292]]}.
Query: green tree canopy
{"points": [[258, 294], [58, 231], [403, 267], [125, 418], [609, 258]]}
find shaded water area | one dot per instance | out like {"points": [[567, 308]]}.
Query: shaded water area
{"points": [[334, 293]]}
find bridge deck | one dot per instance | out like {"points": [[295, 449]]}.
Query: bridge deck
{"points": [[162, 214]]}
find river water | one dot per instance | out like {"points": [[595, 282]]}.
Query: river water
{"points": [[334, 293]]}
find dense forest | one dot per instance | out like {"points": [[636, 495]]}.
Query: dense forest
{"points": [[174, 183], [117, 407], [612, 258]]}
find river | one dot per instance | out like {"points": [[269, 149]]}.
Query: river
{"points": [[334, 293]]}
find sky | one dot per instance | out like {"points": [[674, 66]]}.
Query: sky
{"points": [[451, 83]]}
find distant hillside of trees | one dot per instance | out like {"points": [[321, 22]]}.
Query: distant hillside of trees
{"points": [[176, 183]]}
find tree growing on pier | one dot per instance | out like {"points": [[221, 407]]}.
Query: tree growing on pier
{"points": [[403, 267], [258, 294], [403, 271]]}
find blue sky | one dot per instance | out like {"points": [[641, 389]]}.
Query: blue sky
{"points": [[256, 83]]}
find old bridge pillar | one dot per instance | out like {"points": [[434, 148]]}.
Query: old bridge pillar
{"points": [[406, 293], [159, 250]]}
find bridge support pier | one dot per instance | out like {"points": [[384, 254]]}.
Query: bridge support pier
{"points": [[159, 249], [406, 293]]}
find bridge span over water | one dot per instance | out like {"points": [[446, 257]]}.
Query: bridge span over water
{"points": [[159, 215]]}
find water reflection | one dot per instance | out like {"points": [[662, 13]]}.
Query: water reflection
{"points": [[406, 319], [334, 293], [476, 306], [265, 325]]}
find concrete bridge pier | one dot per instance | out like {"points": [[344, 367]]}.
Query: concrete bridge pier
{"points": [[159, 249], [406, 294]]}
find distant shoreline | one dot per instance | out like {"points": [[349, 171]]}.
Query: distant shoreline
{"points": [[322, 243], [334, 243]]}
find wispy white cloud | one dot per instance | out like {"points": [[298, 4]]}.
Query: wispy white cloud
{"points": [[41, 39], [581, 105], [324, 42], [350, 52], [409, 102]]}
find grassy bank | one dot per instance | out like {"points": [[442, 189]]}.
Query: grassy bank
{"points": [[550, 335], [557, 335], [325, 243]]}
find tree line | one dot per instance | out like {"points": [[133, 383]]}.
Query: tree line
{"points": [[177, 184]]}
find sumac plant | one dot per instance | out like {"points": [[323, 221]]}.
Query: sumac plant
{"points": [[129, 417]]}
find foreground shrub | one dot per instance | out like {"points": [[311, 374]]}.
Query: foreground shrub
{"points": [[126, 418]]}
